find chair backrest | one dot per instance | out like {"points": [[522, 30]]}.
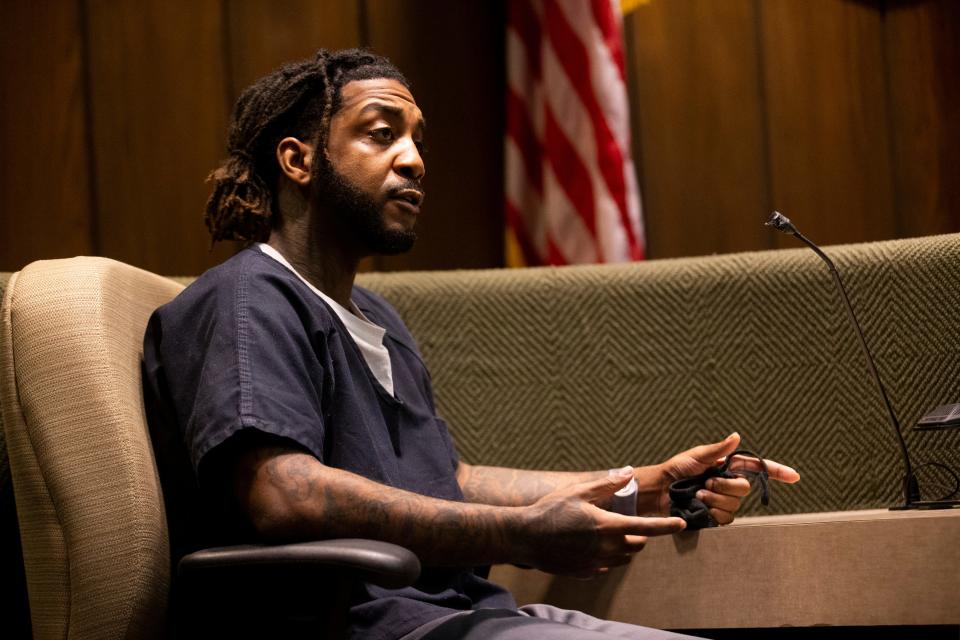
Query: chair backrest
{"points": [[92, 522], [14, 607]]}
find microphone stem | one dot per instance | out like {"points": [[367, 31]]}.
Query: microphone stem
{"points": [[910, 493]]}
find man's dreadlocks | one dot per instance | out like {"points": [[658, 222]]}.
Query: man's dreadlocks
{"points": [[298, 99]]}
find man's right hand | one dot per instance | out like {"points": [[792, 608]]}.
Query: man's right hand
{"points": [[566, 532]]}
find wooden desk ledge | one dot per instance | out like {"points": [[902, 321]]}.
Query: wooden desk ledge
{"points": [[852, 568]]}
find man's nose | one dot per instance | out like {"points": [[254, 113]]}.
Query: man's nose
{"points": [[409, 162]]}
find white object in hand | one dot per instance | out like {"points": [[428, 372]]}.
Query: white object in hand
{"points": [[624, 501]]}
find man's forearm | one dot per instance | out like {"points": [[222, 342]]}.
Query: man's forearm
{"points": [[515, 487], [291, 496], [520, 487]]}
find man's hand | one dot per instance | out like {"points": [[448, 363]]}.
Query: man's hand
{"points": [[721, 495], [568, 534]]}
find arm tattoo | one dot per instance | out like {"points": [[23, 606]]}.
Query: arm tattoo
{"points": [[295, 497], [291, 474], [516, 487]]}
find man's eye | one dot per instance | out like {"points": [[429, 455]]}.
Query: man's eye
{"points": [[382, 135]]}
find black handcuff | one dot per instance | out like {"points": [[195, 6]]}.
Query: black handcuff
{"points": [[683, 493]]}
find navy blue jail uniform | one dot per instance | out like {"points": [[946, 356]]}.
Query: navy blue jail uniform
{"points": [[248, 346]]}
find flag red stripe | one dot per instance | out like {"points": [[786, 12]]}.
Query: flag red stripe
{"points": [[554, 255], [607, 22], [572, 175], [526, 24], [520, 130], [575, 61]]}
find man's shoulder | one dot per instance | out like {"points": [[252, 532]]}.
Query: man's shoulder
{"points": [[247, 262], [249, 277], [250, 294]]}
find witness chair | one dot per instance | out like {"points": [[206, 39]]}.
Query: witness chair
{"points": [[90, 501]]}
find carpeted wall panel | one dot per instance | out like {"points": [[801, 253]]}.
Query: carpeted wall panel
{"points": [[599, 366]]}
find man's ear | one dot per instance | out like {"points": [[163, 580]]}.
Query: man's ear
{"points": [[295, 158]]}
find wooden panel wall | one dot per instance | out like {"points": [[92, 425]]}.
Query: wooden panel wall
{"points": [[158, 121], [263, 34], [698, 120], [829, 147], [845, 114], [116, 111], [45, 202], [923, 61]]}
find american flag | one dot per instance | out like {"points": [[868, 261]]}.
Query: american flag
{"points": [[571, 188]]}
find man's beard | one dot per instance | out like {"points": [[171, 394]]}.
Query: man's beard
{"points": [[359, 215]]}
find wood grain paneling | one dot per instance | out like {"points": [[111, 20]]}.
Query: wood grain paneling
{"points": [[923, 61], [452, 52], [698, 126], [44, 183], [159, 124], [845, 114], [825, 96], [263, 34]]}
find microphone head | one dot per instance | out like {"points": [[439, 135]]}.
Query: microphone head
{"points": [[781, 223]]}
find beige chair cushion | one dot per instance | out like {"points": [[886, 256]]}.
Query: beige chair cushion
{"points": [[88, 497]]}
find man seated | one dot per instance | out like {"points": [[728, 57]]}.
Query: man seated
{"points": [[304, 402]]}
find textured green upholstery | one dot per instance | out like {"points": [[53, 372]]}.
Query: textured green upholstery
{"points": [[600, 366]]}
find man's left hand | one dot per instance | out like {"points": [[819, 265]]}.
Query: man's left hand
{"points": [[721, 495]]}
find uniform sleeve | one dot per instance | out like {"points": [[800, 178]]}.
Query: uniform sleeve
{"points": [[448, 442], [241, 354]]}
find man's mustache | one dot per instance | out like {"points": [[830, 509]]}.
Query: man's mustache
{"points": [[407, 185]]}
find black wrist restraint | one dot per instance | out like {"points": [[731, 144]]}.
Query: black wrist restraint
{"points": [[683, 500]]}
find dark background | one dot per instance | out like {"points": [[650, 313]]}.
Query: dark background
{"points": [[843, 114]]}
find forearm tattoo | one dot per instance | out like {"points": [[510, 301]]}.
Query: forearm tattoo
{"points": [[323, 502], [290, 495], [516, 487]]}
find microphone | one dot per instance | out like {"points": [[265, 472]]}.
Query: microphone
{"points": [[911, 489]]}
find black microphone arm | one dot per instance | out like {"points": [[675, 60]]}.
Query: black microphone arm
{"points": [[911, 489]]}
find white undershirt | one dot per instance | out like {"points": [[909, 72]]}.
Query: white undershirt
{"points": [[367, 336]]}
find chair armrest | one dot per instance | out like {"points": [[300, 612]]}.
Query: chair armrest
{"points": [[381, 563], [282, 591]]}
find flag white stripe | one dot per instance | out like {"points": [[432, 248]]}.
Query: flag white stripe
{"points": [[524, 198]]}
